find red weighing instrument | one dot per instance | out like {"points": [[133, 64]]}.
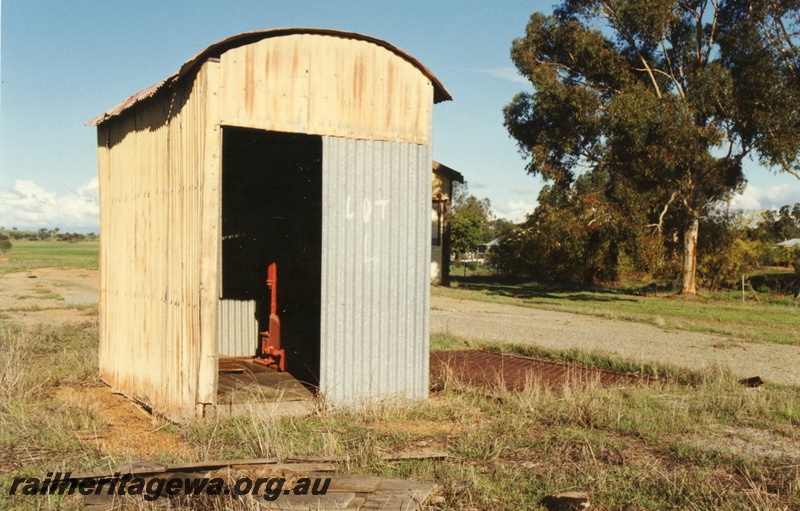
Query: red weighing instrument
{"points": [[271, 352]]}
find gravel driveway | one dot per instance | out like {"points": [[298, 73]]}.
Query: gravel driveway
{"points": [[633, 341]]}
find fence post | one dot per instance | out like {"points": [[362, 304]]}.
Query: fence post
{"points": [[742, 287]]}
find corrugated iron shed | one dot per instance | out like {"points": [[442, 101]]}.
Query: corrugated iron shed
{"points": [[333, 127]]}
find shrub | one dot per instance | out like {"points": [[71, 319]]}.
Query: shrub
{"points": [[5, 244]]}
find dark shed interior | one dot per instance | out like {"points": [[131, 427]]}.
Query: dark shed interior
{"points": [[272, 212]]}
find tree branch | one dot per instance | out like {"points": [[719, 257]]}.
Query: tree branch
{"points": [[711, 200], [631, 41], [699, 35], [713, 30], [686, 7], [660, 225], [788, 168], [647, 68], [668, 75], [795, 173], [780, 38], [670, 65]]}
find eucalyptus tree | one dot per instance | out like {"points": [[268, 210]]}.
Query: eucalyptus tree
{"points": [[470, 220], [668, 97]]}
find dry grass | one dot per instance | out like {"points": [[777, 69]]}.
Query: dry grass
{"points": [[37, 433], [710, 445]]}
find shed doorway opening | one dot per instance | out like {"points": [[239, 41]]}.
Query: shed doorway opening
{"points": [[271, 213]]}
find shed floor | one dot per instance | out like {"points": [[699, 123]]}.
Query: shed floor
{"points": [[244, 387]]}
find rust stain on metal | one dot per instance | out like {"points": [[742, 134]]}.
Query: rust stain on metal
{"points": [[489, 369], [440, 93], [389, 90], [250, 85], [358, 82]]}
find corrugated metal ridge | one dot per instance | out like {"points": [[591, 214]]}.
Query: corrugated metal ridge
{"points": [[441, 168], [132, 100], [440, 93]]}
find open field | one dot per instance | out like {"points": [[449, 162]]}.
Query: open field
{"points": [[693, 440], [773, 319], [29, 255]]}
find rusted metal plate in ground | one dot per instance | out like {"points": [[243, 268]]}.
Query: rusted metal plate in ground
{"points": [[490, 369]]}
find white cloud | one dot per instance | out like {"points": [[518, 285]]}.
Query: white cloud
{"points": [[478, 184], [513, 210], [27, 205], [772, 197], [507, 73], [524, 190]]}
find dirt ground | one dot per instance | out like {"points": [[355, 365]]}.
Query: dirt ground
{"points": [[58, 296], [130, 431], [633, 341], [49, 295]]}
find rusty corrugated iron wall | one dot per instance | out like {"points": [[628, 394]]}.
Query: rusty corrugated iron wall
{"points": [[375, 269], [154, 178]]}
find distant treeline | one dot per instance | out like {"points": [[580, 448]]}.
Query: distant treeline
{"points": [[45, 234], [576, 236]]}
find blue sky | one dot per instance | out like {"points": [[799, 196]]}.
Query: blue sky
{"points": [[62, 63]]}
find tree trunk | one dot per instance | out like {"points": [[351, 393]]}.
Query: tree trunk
{"points": [[690, 255]]}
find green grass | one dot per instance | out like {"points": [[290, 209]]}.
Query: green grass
{"points": [[29, 255], [771, 320], [91, 308]]}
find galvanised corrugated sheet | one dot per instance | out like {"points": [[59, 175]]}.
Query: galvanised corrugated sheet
{"points": [[237, 328], [375, 270]]}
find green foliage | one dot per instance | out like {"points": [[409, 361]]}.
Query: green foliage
{"points": [[5, 244], [466, 230], [568, 237], [777, 226], [471, 220], [70, 237], [774, 255], [498, 228], [723, 254], [770, 228], [666, 98]]}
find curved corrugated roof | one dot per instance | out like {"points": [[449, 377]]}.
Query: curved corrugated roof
{"points": [[217, 49]]}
